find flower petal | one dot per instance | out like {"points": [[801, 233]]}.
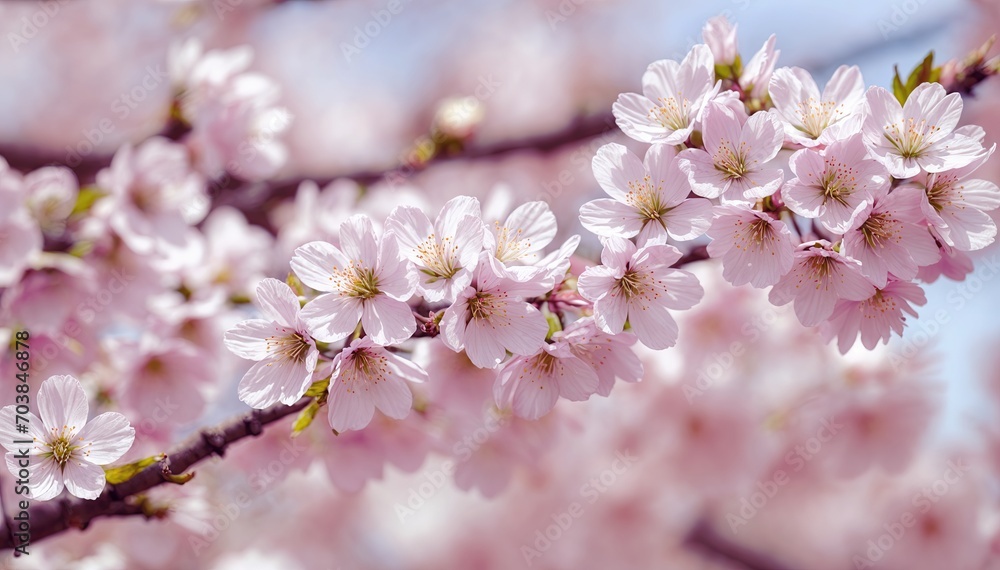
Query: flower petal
{"points": [[106, 438]]}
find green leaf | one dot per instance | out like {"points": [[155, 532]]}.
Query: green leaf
{"points": [[81, 248], [86, 198], [318, 388], [305, 418], [897, 87], [293, 281], [924, 72], [723, 71], [122, 473]]}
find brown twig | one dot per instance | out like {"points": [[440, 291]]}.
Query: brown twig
{"points": [[704, 537], [55, 517]]}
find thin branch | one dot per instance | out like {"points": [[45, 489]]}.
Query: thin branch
{"points": [[704, 537], [256, 199], [55, 517]]}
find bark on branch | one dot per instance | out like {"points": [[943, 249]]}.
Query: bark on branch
{"points": [[55, 517]]}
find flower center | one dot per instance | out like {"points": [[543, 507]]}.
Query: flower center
{"points": [[544, 363], [671, 113], [758, 232], [942, 192], [821, 268], [732, 163], [815, 116], [645, 197], [878, 229], [510, 246], [356, 281], [840, 180], [291, 347], [485, 305], [878, 305], [61, 449], [634, 284], [909, 136], [438, 258], [366, 367]]}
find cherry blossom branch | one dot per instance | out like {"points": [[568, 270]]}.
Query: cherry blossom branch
{"points": [[48, 519], [705, 538], [255, 200]]}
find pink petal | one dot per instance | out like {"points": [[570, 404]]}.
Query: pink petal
{"points": [[387, 321], [62, 403], [350, 409], [278, 302], [82, 479], [106, 438], [331, 317], [314, 263]]}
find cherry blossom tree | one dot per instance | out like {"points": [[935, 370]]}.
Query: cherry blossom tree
{"points": [[742, 231]]}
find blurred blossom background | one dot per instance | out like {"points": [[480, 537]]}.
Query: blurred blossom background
{"points": [[752, 444]]}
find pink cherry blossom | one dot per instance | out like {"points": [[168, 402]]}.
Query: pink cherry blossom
{"points": [[51, 195], [649, 198], [365, 280], [637, 285], [820, 276], [490, 317], [755, 247], [957, 206], [530, 385], [68, 451], [756, 75], [286, 354], [954, 265], [231, 258], [736, 164], [153, 199], [807, 114], [889, 237], [720, 37], [920, 134], [367, 376], [524, 234], [20, 236], [611, 356], [234, 116], [673, 96], [876, 317], [444, 254], [163, 377], [833, 185]]}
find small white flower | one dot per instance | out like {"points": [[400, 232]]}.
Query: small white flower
{"points": [[66, 450]]}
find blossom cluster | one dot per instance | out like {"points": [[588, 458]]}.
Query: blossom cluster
{"points": [[486, 289], [839, 200]]}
